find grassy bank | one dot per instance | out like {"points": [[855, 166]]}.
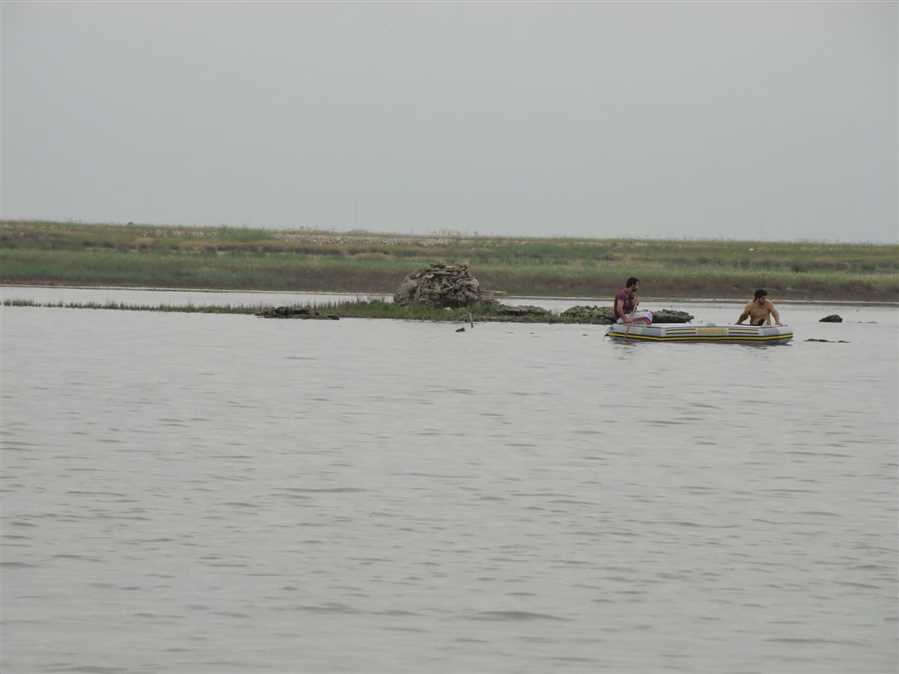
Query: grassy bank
{"points": [[125, 306], [345, 309], [258, 259]]}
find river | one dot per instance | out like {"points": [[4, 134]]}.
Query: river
{"points": [[221, 493]]}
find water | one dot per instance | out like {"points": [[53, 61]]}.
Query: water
{"points": [[155, 297], [222, 493]]}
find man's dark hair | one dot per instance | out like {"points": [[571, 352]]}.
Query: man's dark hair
{"points": [[761, 292], [631, 282]]}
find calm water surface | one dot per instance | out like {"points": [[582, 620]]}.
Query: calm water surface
{"points": [[220, 493]]}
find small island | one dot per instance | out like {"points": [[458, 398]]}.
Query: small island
{"points": [[443, 292]]}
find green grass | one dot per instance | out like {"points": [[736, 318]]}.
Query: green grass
{"points": [[317, 260], [123, 306], [379, 309], [356, 308]]}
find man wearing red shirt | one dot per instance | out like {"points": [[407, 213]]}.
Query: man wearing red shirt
{"points": [[627, 301]]}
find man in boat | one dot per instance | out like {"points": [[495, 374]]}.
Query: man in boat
{"points": [[760, 310], [626, 302]]}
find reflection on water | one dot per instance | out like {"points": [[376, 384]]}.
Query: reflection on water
{"points": [[190, 493]]}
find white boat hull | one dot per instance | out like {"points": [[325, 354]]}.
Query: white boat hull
{"points": [[709, 332]]}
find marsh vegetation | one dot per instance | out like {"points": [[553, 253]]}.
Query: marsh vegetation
{"points": [[350, 308], [264, 259]]}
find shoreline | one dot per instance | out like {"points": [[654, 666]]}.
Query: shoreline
{"points": [[481, 312], [351, 294]]}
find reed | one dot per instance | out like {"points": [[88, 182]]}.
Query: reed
{"points": [[354, 308], [319, 260], [126, 306]]}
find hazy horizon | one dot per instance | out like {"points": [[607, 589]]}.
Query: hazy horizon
{"points": [[658, 121], [446, 233]]}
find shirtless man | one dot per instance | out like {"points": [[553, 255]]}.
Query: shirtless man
{"points": [[760, 310]]}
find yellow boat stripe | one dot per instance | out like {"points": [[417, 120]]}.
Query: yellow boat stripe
{"points": [[703, 338]]}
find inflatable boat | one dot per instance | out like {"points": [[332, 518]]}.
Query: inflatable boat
{"points": [[708, 332]]}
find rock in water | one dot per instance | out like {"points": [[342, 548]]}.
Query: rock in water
{"points": [[296, 312], [440, 285], [833, 318], [604, 316], [587, 314], [671, 316], [521, 311]]}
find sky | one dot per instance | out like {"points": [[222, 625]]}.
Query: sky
{"points": [[733, 120]]}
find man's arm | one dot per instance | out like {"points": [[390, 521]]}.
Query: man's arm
{"points": [[744, 315], [775, 314], [619, 311]]}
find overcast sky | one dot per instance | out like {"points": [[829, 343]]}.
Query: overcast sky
{"points": [[721, 120]]}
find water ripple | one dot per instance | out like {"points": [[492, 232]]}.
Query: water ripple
{"points": [[514, 616]]}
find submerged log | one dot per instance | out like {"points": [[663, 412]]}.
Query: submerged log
{"points": [[833, 318]]}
